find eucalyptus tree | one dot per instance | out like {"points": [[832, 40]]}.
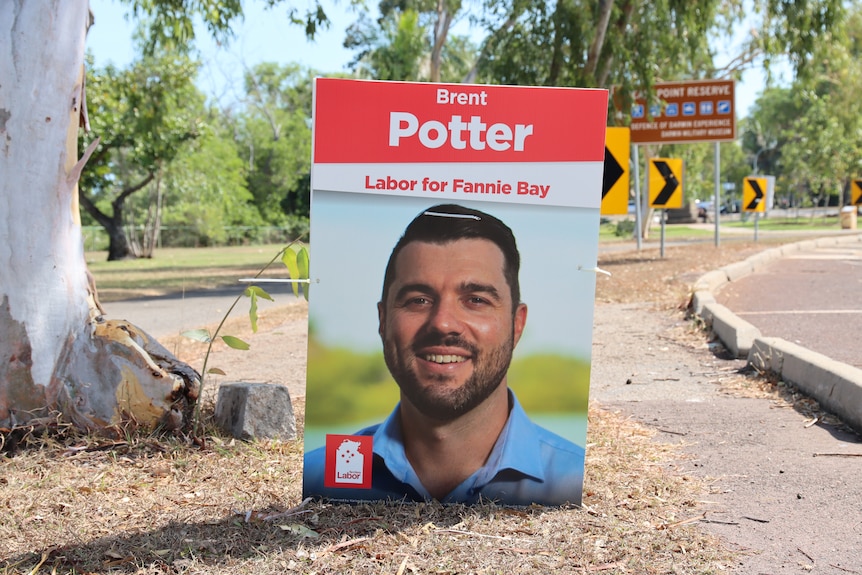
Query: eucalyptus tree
{"points": [[142, 116], [206, 187], [411, 40], [822, 148], [273, 136], [808, 133], [629, 45], [58, 354]]}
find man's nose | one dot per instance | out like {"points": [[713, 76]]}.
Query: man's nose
{"points": [[447, 316]]}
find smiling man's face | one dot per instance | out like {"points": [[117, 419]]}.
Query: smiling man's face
{"points": [[449, 325]]}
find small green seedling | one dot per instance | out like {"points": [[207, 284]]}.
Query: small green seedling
{"points": [[295, 257]]}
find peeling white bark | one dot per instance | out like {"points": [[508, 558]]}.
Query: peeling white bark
{"points": [[42, 265], [55, 355]]}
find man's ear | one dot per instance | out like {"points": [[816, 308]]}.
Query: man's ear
{"points": [[381, 318], [520, 321]]}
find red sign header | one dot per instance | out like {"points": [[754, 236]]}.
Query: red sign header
{"points": [[397, 122]]}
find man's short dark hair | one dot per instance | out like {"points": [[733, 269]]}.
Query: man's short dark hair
{"points": [[447, 223]]}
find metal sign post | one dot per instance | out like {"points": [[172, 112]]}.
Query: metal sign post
{"points": [[636, 166], [717, 200], [663, 218]]}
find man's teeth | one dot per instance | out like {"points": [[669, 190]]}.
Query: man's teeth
{"points": [[445, 358]]}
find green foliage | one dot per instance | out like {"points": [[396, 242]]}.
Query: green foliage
{"points": [[589, 44], [808, 134], [799, 28], [143, 117], [296, 260], [410, 42], [624, 228], [255, 292], [629, 45], [169, 24], [392, 51], [206, 188], [272, 135]]}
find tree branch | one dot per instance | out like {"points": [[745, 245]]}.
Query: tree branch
{"points": [[470, 78], [129, 191], [622, 25], [91, 208], [605, 8], [557, 56], [441, 31]]}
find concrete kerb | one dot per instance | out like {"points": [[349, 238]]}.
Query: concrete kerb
{"points": [[835, 385]]}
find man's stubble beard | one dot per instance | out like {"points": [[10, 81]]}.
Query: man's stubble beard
{"points": [[489, 371]]}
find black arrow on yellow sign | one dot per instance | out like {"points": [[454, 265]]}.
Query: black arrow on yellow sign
{"points": [[758, 194], [670, 183], [613, 172], [855, 189]]}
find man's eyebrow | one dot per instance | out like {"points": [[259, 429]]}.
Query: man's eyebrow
{"points": [[474, 287]]}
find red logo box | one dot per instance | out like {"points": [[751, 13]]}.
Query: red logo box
{"points": [[348, 461]]}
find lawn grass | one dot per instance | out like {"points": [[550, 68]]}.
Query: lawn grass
{"points": [[784, 224], [182, 269]]}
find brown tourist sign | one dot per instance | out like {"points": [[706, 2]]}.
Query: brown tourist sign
{"points": [[685, 112]]}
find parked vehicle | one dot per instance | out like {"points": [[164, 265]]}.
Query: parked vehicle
{"points": [[705, 209]]}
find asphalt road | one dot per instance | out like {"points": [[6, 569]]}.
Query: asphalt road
{"points": [[812, 298], [173, 314]]}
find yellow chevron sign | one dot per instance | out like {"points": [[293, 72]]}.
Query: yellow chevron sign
{"points": [[665, 182], [615, 187], [754, 194], [856, 192]]}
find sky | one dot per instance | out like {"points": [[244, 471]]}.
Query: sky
{"points": [[266, 36]]}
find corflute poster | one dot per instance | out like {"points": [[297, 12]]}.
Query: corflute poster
{"points": [[454, 238]]}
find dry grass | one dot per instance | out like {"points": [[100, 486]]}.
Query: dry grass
{"points": [[171, 504], [159, 505]]}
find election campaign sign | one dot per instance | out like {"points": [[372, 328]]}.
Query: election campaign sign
{"points": [[454, 234]]}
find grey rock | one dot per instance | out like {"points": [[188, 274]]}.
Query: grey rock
{"points": [[250, 411]]}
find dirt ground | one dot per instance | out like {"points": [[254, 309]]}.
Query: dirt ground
{"points": [[777, 468]]}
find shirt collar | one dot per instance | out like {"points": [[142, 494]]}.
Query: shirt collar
{"points": [[517, 448], [389, 446]]}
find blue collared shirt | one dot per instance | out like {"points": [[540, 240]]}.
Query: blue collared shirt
{"points": [[528, 464]]}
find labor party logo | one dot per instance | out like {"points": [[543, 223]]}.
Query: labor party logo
{"points": [[348, 461]]}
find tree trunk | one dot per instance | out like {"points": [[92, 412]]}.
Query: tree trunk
{"points": [[57, 352], [119, 247], [441, 32]]}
